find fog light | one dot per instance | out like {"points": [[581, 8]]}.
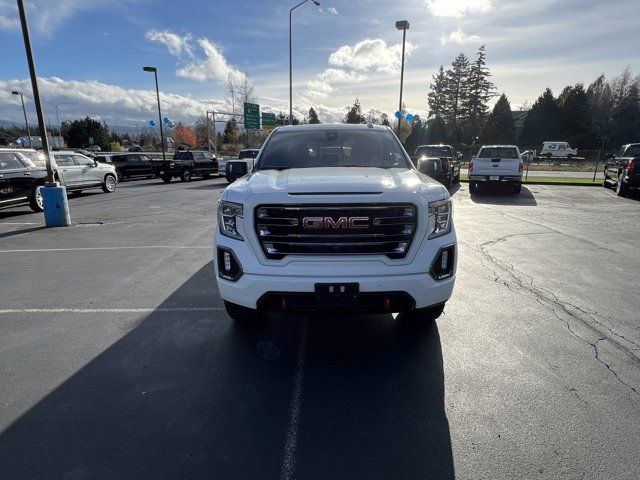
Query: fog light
{"points": [[229, 267], [443, 263]]}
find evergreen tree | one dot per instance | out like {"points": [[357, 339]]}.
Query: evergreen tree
{"points": [[417, 136], [479, 91], [355, 114], [457, 91], [436, 131], [599, 97], [500, 127], [231, 132], [541, 123], [437, 96], [77, 133], [625, 121], [575, 117], [313, 116]]}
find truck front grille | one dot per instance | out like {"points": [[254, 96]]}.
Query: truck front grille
{"points": [[330, 229]]}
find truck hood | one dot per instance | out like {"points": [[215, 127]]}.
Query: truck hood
{"points": [[337, 180]]}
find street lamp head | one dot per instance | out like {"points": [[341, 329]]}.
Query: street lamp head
{"points": [[402, 25], [149, 69], [16, 92]]}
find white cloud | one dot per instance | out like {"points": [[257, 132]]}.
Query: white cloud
{"points": [[458, 8], [212, 65], [176, 44], [332, 10], [458, 36], [330, 79], [8, 15], [370, 55]]}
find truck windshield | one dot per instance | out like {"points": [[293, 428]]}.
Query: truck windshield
{"points": [[332, 148], [248, 154], [433, 151], [498, 152]]}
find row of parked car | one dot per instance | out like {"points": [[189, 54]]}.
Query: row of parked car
{"points": [[23, 171]]}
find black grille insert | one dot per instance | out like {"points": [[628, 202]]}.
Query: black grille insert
{"points": [[330, 229]]}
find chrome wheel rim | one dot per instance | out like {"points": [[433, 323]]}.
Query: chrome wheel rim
{"points": [[111, 183], [39, 200]]}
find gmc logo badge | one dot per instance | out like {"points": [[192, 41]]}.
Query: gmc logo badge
{"points": [[316, 223]]}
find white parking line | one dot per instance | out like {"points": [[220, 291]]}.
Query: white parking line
{"points": [[78, 249], [288, 470], [111, 310]]}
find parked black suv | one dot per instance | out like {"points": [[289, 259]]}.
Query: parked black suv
{"points": [[128, 164], [20, 181], [186, 164], [622, 170], [440, 162]]}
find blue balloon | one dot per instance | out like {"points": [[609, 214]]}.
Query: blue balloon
{"points": [[409, 117], [398, 114], [165, 119], [152, 123]]}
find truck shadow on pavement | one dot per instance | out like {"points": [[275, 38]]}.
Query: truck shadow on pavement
{"points": [[190, 394], [503, 196]]}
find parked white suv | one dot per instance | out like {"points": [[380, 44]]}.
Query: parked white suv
{"points": [[77, 172], [335, 217], [557, 149], [496, 164]]}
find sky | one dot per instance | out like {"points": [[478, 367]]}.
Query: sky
{"points": [[89, 53]]}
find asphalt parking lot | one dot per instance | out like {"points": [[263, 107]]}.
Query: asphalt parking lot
{"points": [[117, 359]]}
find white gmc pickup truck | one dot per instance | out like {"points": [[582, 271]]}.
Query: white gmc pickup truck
{"points": [[335, 217]]}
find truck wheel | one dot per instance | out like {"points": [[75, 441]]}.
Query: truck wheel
{"points": [[241, 314], [110, 184], [517, 188], [230, 179], [621, 188], [185, 176], [448, 183], [456, 179], [166, 178], [425, 315], [35, 200], [473, 187]]}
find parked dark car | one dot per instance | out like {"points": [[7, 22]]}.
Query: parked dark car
{"points": [[440, 162], [186, 164], [135, 148], [20, 181], [622, 170], [129, 165]]}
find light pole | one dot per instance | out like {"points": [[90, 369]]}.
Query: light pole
{"points": [[54, 196], [26, 122], [56, 105], [155, 72], [317, 3], [404, 26]]}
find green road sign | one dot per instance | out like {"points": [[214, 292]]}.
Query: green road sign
{"points": [[251, 116], [90, 140], [268, 119]]}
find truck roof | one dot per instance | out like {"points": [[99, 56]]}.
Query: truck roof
{"points": [[499, 146]]}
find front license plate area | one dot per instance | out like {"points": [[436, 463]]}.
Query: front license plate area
{"points": [[494, 178], [337, 294]]}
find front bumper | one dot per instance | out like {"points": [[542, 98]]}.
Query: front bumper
{"points": [[408, 278]]}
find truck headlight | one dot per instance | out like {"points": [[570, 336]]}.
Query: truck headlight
{"points": [[441, 212], [228, 213]]}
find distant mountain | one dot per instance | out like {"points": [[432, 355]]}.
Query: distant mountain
{"points": [[7, 124]]}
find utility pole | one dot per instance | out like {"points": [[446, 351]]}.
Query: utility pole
{"points": [[404, 26]]}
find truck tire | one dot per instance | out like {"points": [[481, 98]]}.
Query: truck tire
{"points": [[473, 187], [166, 178], [622, 190], [424, 315], [448, 183], [185, 176], [517, 188], [230, 179], [242, 314], [35, 199]]}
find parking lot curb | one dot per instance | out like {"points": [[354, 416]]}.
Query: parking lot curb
{"points": [[551, 182]]}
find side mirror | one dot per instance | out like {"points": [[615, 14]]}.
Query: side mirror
{"points": [[238, 169], [95, 162]]}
